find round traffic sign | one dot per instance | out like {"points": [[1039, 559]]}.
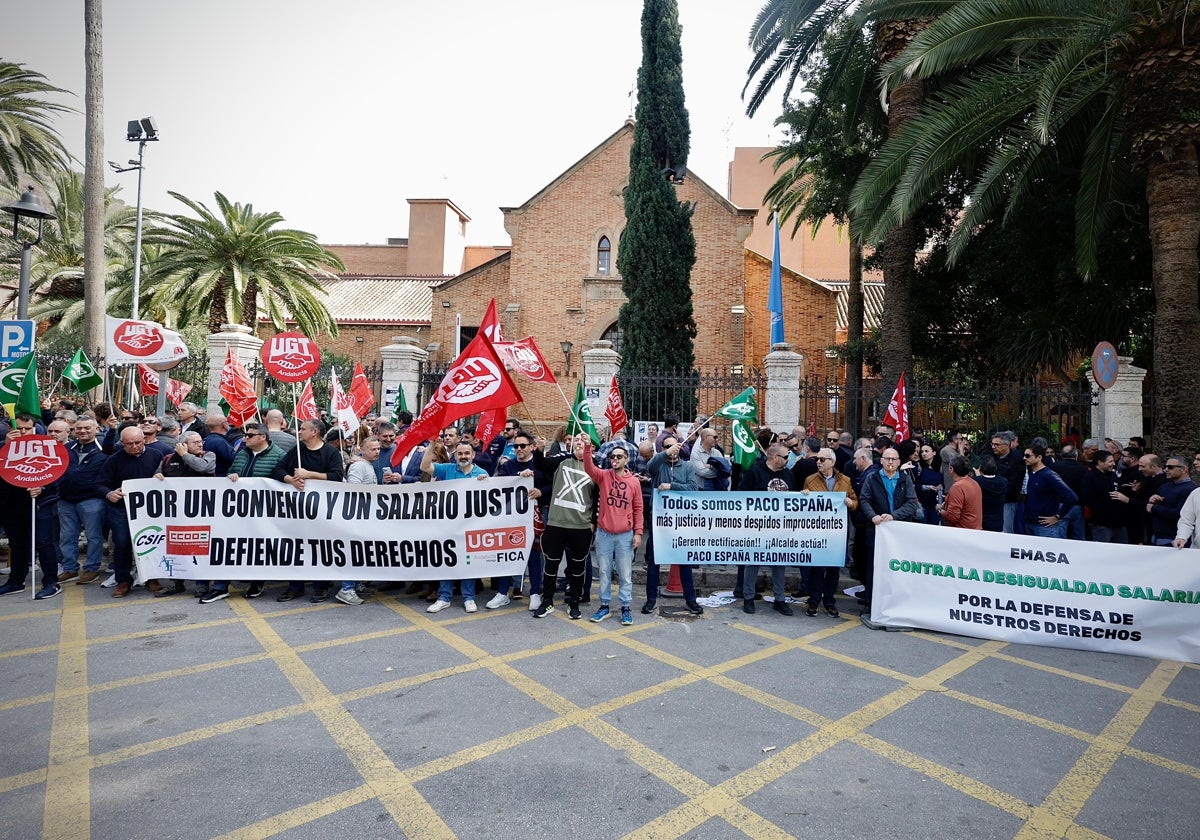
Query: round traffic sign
{"points": [[1104, 365]]}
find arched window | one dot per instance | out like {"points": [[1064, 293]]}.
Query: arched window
{"points": [[615, 335], [604, 256]]}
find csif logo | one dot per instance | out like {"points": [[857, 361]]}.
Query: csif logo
{"points": [[148, 539]]}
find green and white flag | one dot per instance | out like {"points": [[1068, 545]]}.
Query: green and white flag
{"points": [[11, 380], [581, 417], [28, 400], [400, 405], [81, 373], [745, 448], [741, 407]]}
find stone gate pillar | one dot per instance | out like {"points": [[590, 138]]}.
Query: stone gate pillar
{"points": [[246, 346], [600, 364], [785, 367], [402, 360], [1118, 414]]}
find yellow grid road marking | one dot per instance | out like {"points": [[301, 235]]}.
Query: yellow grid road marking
{"points": [[411, 812], [302, 815], [68, 783]]}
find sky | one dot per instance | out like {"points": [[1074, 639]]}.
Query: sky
{"points": [[334, 113]]}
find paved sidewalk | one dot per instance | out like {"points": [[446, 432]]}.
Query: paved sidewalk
{"points": [[164, 718]]}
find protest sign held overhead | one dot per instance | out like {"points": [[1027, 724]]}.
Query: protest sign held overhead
{"points": [[130, 342], [291, 357]]}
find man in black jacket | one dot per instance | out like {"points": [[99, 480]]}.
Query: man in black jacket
{"points": [[887, 494], [1011, 467], [994, 488], [79, 507], [15, 503], [1072, 472], [1098, 494], [773, 475]]}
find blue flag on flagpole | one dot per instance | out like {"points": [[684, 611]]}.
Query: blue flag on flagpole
{"points": [[775, 295]]}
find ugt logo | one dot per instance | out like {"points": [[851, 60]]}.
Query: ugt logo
{"points": [[138, 339], [474, 379], [290, 352], [32, 457]]}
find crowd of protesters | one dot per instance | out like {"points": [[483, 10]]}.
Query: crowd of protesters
{"points": [[593, 505]]}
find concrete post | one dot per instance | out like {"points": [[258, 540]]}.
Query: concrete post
{"points": [[1118, 414], [246, 346], [600, 364], [402, 360], [785, 367]]}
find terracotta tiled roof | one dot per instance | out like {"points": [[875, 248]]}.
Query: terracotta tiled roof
{"points": [[358, 299], [872, 302]]}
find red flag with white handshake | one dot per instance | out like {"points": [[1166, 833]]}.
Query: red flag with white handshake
{"points": [[238, 390], [614, 412], [176, 391], [342, 407], [129, 342], [306, 406], [476, 382], [361, 393], [526, 359], [897, 413]]}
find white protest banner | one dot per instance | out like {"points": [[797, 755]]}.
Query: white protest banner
{"points": [[756, 528], [1139, 600], [129, 342], [259, 529]]}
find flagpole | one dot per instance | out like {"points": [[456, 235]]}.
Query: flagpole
{"points": [[569, 404], [295, 405], [532, 422], [33, 564]]}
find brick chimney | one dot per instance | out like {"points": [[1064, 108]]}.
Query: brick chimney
{"points": [[437, 236]]}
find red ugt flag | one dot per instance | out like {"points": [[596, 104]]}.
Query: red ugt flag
{"points": [[238, 390], [526, 359], [360, 391], [897, 413], [476, 382], [614, 412], [306, 407]]}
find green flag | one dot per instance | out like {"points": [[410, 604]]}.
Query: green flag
{"points": [[581, 417], [81, 373], [28, 401], [741, 407], [399, 405], [745, 448], [11, 379]]}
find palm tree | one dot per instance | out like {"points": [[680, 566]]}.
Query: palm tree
{"points": [[788, 33], [28, 142], [1111, 85], [57, 268], [94, 193], [224, 267], [827, 147]]}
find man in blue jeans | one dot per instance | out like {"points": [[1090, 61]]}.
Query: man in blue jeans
{"points": [[1047, 497], [80, 507], [463, 466]]}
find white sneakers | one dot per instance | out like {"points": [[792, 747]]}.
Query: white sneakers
{"points": [[437, 606], [498, 600], [469, 606], [348, 596], [535, 601]]}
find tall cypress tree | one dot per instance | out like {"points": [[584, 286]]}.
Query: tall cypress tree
{"points": [[657, 248]]}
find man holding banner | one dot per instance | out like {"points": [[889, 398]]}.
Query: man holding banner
{"points": [[823, 580], [462, 467], [771, 474]]}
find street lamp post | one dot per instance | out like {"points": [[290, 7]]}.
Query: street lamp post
{"points": [[28, 207], [141, 131]]}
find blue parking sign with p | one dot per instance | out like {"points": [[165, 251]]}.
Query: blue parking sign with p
{"points": [[16, 340]]}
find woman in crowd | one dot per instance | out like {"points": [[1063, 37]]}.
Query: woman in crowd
{"points": [[930, 483]]}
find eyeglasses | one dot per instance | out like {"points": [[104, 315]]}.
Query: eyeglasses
{"points": [[521, 445], [252, 434], [1174, 467], [126, 417], [832, 440], [620, 456], [824, 459], [151, 423], [1028, 455]]}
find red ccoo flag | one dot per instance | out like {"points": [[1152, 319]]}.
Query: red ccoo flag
{"points": [[476, 382], [361, 393], [614, 412], [897, 413]]}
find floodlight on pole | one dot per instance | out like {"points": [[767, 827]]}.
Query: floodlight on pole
{"points": [[27, 207]]}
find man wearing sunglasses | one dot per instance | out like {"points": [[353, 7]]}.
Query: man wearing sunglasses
{"points": [[1165, 505], [522, 464]]}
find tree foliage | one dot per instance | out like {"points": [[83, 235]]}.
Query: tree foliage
{"points": [[657, 246], [29, 144], [220, 267], [1111, 87]]}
